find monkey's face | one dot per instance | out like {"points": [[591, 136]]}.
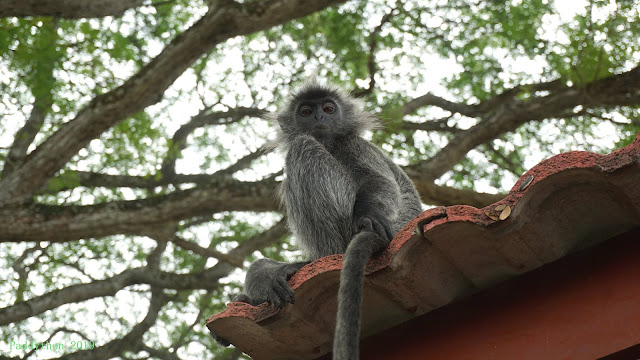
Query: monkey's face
{"points": [[324, 112], [318, 117]]}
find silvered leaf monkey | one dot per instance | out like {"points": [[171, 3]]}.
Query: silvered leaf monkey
{"points": [[342, 195]]}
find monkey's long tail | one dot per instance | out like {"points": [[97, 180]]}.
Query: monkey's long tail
{"points": [[346, 338]]}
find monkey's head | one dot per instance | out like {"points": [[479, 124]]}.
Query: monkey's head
{"points": [[323, 111]]}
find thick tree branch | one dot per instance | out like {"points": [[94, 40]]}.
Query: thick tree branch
{"points": [[70, 9], [614, 91], [484, 107], [67, 223], [432, 194], [507, 95], [146, 87], [207, 279], [73, 179]]}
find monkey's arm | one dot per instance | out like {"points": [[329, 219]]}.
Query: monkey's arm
{"points": [[378, 198], [266, 281], [319, 194], [411, 205]]}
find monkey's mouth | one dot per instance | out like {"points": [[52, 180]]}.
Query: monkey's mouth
{"points": [[321, 131]]}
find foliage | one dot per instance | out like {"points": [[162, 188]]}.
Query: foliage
{"points": [[487, 57]]}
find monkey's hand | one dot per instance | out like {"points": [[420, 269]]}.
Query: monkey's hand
{"points": [[266, 281], [305, 141], [298, 153], [375, 223]]}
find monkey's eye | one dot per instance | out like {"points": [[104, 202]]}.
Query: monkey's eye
{"points": [[329, 108], [305, 111]]}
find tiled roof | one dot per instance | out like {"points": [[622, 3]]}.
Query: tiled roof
{"points": [[564, 204]]}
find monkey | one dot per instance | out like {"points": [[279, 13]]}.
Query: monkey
{"points": [[341, 194]]}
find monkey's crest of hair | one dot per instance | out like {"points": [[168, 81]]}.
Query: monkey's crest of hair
{"points": [[355, 120]]}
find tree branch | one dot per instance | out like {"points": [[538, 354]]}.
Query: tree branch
{"points": [[440, 125], [207, 279], [146, 87], [25, 136], [480, 109], [179, 139], [206, 252], [433, 194], [69, 9], [516, 169], [67, 223], [58, 330], [160, 354], [243, 162], [371, 64], [73, 179], [132, 340], [41, 106], [614, 91], [429, 99]]}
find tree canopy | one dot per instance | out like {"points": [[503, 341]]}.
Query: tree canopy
{"points": [[137, 182]]}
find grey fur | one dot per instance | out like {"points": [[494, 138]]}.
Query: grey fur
{"points": [[347, 334], [342, 195]]}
